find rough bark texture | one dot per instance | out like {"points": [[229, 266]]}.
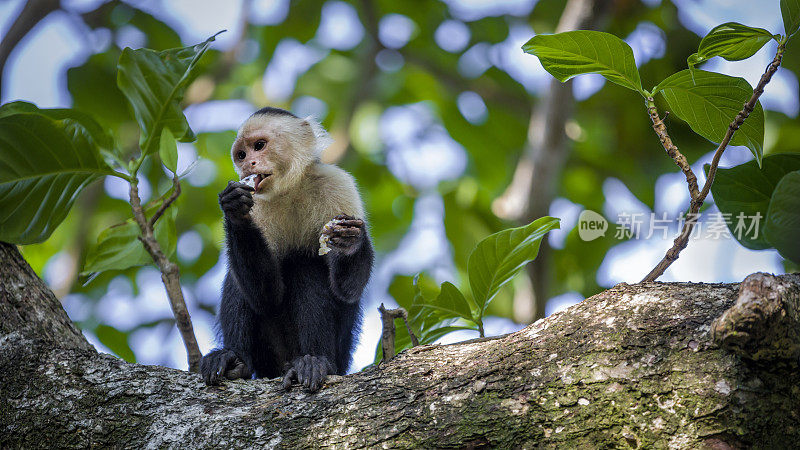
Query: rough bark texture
{"points": [[634, 366]]}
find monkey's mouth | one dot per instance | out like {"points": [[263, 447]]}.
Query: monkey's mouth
{"points": [[259, 178]]}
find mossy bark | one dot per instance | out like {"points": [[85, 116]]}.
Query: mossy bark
{"points": [[634, 366]]}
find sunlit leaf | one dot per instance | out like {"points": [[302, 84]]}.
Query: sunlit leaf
{"points": [[572, 53], [790, 10], [154, 83], [499, 257], [44, 164], [782, 228], [732, 41], [168, 151], [746, 190], [451, 302], [710, 101]]}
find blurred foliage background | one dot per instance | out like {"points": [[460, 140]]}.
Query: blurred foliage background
{"points": [[450, 130]]}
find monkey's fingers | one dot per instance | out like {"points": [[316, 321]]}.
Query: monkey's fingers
{"points": [[291, 374], [351, 223], [345, 231], [344, 217], [343, 242]]}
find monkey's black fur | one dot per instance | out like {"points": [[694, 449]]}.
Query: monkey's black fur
{"points": [[296, 315], [272, 111]]}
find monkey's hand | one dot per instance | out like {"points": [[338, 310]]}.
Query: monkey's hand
{"points": [[221, 364], [347, 234], [308, 370], [236, 200]]}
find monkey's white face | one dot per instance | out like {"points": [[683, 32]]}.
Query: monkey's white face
{"points": [[275, 148]]}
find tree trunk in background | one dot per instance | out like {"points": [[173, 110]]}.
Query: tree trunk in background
{"points": [[538, 171], [633, 366]]}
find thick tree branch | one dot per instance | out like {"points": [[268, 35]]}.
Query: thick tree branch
{"points": [[634, 366], [697, 200], [170, 275], [764, 324]]}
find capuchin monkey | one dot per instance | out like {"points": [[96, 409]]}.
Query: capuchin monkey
{"points": [[287, 309]]}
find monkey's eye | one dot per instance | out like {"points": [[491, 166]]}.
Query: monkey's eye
{"points": [[241, 154], [260, 144]]}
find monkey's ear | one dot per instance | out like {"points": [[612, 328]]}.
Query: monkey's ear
{"points": [[321, 136]]}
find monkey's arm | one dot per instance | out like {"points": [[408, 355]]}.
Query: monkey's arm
{"points": [[250, 260], [351, 261]]}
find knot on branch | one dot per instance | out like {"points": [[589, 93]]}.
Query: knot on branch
{"points": [[764, 323]]}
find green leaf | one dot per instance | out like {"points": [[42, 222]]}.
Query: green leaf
{"points": [[572, 53], [746, 190], [732, 41], [168, 151], [782, 228], [119, 248], [44, 164], [451, 302], [710, 101], [499, 257], [790, 10], [154, 83], [116, 341], [70, 117]]}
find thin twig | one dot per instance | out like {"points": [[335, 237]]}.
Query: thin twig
{"points": [[170, 275], [697, 201], [388, 333], [672, 150], [176, 191]]}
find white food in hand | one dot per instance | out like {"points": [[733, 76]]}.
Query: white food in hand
{"points": [[249, 180], [325, 237]]}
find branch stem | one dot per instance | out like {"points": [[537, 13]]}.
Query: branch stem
{"points": [[697, 198], [170, 274]]}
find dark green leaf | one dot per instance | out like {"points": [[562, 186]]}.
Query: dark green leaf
{"points": [[782, 228], [116, 341], [154, 83], [746, 191], [44, 164], [790, 10], [70, 117], [572, 53], [710, 101], [732, 41], [119, 248], [499, 257]]}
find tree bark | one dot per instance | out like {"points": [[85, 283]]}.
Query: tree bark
{"points": [[634, 366]]}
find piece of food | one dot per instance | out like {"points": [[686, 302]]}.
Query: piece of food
{"points": [[250, 180], [325, 236]]}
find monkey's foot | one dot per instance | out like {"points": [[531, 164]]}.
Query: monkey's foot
{"points": [[345, 233], [223, 363], [308, 370]]}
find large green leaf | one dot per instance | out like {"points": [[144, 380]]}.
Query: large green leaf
{"points": [[44, 164], [746, 190], [119, 248], [572, 53], [71, 118], [710, 101], [782, 229], [499, 257], [154, 83], [790, 10], [732, 41]]}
